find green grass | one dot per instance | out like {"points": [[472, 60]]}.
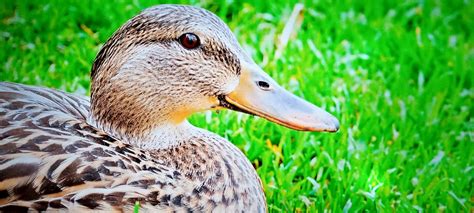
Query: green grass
{"points": [[398, 75]]}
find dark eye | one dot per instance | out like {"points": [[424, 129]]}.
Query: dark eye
{"points": [[189, 40]]}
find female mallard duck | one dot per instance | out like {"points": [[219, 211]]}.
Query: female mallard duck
{"points": [[132, 141]]}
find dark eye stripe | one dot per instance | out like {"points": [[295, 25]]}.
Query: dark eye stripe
{"points": [[189, 41]]}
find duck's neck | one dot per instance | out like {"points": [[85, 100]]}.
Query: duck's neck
{"points": [[162, 136], [168, 135]]}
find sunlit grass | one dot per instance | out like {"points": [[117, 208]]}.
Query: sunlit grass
{"points": [[398, 75]]}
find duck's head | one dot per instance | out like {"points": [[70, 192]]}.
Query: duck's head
{"points": [[171, 61]]}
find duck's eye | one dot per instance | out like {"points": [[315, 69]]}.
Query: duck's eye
{"points": [[189, 40]]}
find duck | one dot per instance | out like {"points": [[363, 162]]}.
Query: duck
{"points": [[131, 144]]}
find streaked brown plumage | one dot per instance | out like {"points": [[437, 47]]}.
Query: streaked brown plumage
{"points": [[132, 141]]}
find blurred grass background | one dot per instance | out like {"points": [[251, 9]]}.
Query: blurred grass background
{"points": [[398, 75]]}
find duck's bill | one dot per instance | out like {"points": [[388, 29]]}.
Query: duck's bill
{"points": [[275, 104]]}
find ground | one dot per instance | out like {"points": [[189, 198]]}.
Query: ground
{"points": [[398, 75]]}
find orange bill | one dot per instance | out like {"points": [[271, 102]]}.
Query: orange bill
{"points": [[257, 93]]}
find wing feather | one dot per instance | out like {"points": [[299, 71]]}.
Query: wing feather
{"points": [[51, 158]]}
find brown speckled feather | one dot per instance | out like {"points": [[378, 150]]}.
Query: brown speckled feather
{"points": [[50, 158]]}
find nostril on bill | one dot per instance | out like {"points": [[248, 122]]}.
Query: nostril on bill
{"points": [[263, 85]]}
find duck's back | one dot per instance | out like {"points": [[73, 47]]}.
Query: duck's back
{"points": [[20, 102], [51, 159]]}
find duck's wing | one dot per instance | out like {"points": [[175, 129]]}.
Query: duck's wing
{"points": [[20, 100], [50, 158]]}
